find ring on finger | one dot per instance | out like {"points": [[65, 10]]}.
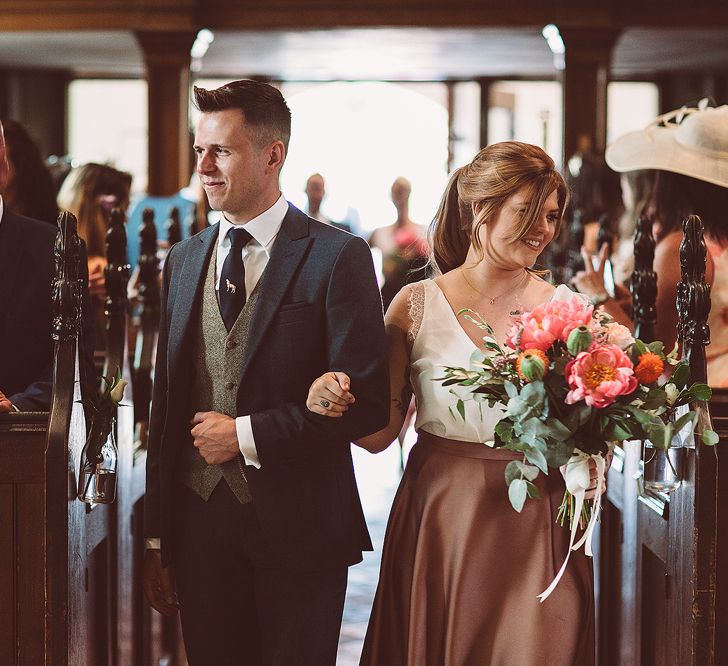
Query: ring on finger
{"points": [[324, 403]]}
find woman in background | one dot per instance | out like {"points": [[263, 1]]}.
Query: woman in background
{"points": [[90, 192], [687, 148]]}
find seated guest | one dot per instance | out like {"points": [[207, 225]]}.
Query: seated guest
{"points": [[29, 190], [90, 192], [687, 149], [27, 269]]}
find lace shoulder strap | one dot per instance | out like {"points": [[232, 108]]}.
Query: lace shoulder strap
{"points": [[416, 309]]}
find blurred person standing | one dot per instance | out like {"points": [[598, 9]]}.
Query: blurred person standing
{"points": [[315, 194], [29, 189], [403, 245]]}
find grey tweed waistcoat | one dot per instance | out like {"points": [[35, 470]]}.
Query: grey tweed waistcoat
{"points": [[217, 357]]}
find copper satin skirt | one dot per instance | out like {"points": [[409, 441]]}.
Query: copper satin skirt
{"points": [[461, 570]]}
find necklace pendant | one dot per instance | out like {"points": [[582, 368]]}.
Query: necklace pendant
{"points": [[492, 301]]}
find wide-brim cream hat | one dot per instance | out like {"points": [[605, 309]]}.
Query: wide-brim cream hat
{"points": [[689, 141]]}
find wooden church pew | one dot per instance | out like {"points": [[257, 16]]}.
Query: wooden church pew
{"points": [[659, 591]]}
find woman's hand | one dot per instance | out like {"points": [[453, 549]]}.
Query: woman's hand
{"points": [[329, 395], [591, 491], [591, 280], [96, 278]]}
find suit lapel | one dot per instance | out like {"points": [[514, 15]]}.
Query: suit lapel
{"points": [[12, 249], [189, 290], [289, 249]]}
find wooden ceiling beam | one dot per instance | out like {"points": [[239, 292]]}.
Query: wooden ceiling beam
{"points": [[173, 15]]}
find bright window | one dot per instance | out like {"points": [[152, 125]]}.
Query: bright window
{"points": [[107, 123]]}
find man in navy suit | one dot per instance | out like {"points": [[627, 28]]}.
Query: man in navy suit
{"points": [[26, 272], [27, 269], [252, 514]]}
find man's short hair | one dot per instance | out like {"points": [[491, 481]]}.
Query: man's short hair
{"points": [[264, 109]]}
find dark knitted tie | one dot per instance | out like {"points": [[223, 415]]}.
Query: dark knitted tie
{"points": [[232, 278]]}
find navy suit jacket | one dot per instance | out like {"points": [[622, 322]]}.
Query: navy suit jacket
{"points": [[26, 347], [318, 309], [27, 269]]}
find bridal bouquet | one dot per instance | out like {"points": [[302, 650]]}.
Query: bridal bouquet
{"points": [[573, 382]]}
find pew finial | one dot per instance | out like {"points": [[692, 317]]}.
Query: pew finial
{"points": [[643, 283], [148, 285], [173, 227], [116, 272], [693, 298], [67, 287]]}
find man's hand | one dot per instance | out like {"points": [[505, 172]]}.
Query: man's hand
{"points": [[159, 584], [215, 436], [5, 404]]}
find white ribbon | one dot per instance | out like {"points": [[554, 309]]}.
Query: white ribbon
{"points": [[577, 482]]}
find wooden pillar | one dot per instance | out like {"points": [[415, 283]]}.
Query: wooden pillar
{"points": [[167, 59], [584, 87], [484, 106]]}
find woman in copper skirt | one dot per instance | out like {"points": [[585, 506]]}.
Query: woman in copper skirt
{"points": [[461, 570]]}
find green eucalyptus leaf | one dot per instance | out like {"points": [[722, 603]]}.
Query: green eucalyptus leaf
{"points": [[532, 490], [461, 409], [512, 471], [511, 390], [517, 492], [639, 414], [556, 429], [655, 398], [680, 376], [640, 347], [710, 437], [559, 452], [539, 459], [657, 347], [688, 418]]}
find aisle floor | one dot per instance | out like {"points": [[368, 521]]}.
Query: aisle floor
{"points": [[377, 477]]}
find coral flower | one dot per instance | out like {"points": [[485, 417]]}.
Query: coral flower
{"points": [[548, 322], [532, 364], [599, 376], [649, 368]]}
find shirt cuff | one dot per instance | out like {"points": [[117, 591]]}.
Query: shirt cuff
{"points": [[152, 544], [246, 442]]}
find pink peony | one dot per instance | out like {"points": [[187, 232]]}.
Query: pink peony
{"points": [[548, 322], [600, 375]]}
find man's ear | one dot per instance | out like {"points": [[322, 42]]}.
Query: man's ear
{"points": [[276, 155]]}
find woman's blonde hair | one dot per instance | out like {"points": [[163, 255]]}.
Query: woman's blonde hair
{"points": [[89, 192], [496, 173]]}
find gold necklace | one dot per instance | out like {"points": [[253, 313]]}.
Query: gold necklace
{"points": [[492, 300]]}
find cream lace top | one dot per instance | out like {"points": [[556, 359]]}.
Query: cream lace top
{"points": [[437, 339]]}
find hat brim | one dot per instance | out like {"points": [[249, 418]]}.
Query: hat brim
{"points": [[657, 148]]}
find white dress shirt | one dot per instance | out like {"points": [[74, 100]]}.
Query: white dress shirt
{"points": [[256, 254]]}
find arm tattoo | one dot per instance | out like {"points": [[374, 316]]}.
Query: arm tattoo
{"points": [[402, 403]]}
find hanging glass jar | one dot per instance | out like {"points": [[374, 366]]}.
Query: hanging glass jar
{"points": [[97, 477]]}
